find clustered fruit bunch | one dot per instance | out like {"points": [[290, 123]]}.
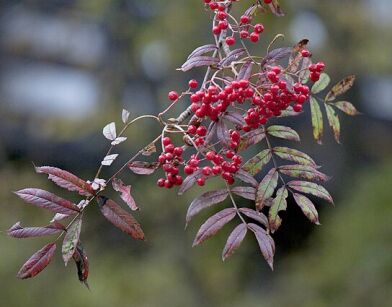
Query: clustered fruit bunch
{"points": [[236, 106]]}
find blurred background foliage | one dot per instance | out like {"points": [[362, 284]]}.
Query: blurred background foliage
{"points": [[69, 67]]}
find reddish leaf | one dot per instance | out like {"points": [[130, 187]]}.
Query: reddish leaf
{"points": [[234, 240], [190, 181], [214, 224], [37, 262], [202, 50], [222, 133], [266, 188], [120, 218], [18, 231], [310, 188], [303, 171], [143, 168], [307, 207], [283, 132], [266, 243], [256, 164], [47, 200], [66, 180], [245, 192], [294, 155], [278, 204], [257, 216], [251, 138], [204, 201], [276, 55], [198, 61], [245, 71], [82, 264], [71, 239], [125, 193], [246, 177], [235, 118]]}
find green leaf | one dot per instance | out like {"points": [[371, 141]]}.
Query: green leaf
{"points": [[307, 207], [251, 138], [71, 239], [333, 121], [266, 188], [317, 120], [283, 132], [321, 84], [347, 108], [278, 204], [256, 164], [311, 188], [294, 155], [340, 88], [303, 171]]}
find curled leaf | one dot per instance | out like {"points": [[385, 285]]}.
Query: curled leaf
{"points": [[82, 264], [125, 193], [234, 240], [214, 224], [120, 218], [109, 131], [231, 57], [202, 50], [37, 262], [66, 180], [197, 61], [340, 88], [143, 168]]}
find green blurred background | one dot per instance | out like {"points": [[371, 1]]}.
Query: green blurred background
{"points": [[68, 67]]}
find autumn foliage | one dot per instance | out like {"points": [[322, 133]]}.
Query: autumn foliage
{"points": [[238, 106]]}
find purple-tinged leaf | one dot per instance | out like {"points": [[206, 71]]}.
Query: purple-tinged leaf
{"points": [[231, 57], [256, 164], [257, 216], [317, 120], [307, 207], [294, 155], [333, 120], [234, 240], [202, 50], [303, 171], [71, 239], [283, 132], [66, 180], [120, 218], [304, 72], [199, 61], [109, 159], [235, 118], [279, 203], [190, 181], [214, 224], [266, 243], [266, 188], [251, 138], [346, 107], [125, 193], [275, 8], [47, 200], [246, 177], [276, 55], [222, 133], [245, 192], [311, 188], [321, 84], [37, 262], [109, 131], [211, 132], [125, 116], [340, 88], [204, 201], [245, 71], [289, 112], [82, 264], [18, 231], [143, 168]]}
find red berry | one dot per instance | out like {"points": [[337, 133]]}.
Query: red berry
{"points": [[244, 34], [191, 129], [223, 24], [166, 141], [188, 169], [245, 19], [230, 40], [297, 108], [305, 53], [267, 1], [201, 131], [169, 148], [161, 182], [216, 30], [201, 181], [173, 95], [206, 170], [259, 28], [178, 151], [210, 155], [193, 83], [217, 169], [254, 37]]}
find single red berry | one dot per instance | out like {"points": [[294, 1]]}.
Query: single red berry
{"points": [[168, 184], [297, 108], [305, 53], [201, 131], [193, 83], [179, 180], [216, 169], [223, 24], [161, 182], [210, 155], [173, 95], [254, 37], [191, 129], [245, 19], [201, 181], [259, 28], [230, 40], [244, 34], [267, 1], [221, 15], [178, 151], [206, 170], [188, 169], [194, 162], [166, 141], [216, 30]]}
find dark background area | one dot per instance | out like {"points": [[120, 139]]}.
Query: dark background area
{"points": [[69, 67]]}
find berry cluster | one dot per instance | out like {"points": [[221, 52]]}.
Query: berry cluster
{"points": [[170, 160], [316, 70]]}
